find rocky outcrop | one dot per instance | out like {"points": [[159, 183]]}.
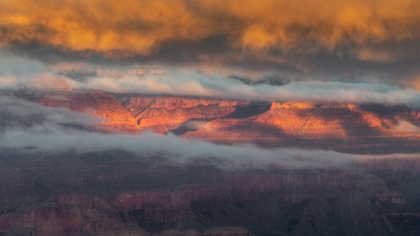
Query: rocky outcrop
{"points": [[218, 231], [175, 232], [155, 205], [163, 114], [66, 220], [227, 231], [83, 200], [294, 187], [98, 104]]}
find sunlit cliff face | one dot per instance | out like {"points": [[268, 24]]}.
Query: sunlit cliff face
{"points": [[233, 120]]}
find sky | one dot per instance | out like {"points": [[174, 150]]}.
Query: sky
{"points": [[348, 51], [172, 46]]}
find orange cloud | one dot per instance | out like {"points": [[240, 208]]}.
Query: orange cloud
{"points": [[375, 56], [126, 28]]}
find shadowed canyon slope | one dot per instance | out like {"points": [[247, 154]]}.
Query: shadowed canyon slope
{"points": [[119, 193]]}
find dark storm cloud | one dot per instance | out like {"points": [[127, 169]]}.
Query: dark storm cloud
{"points": [[303, 36], [126, 28], [213, 53]]}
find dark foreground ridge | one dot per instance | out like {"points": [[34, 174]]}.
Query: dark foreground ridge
{"points": [[118, 193]]}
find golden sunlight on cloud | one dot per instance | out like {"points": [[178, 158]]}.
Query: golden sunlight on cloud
{"points": [[375, 56], [406, 127], [126, 28]]}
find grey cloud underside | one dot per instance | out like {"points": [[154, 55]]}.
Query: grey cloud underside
{"points": [[256, 69], [215, 50]]}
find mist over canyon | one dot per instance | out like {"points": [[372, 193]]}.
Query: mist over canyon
{"points": [[78, 162]]}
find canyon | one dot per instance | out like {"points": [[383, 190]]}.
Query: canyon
{"points": [[117, 192]]}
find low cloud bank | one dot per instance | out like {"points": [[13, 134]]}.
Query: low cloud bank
{"points": [[231, 84], [172, 149], [208, 86], [18, 109], [196, 84], [16, 69]]}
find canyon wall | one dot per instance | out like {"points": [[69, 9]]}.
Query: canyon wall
{"points": [[342, 127]]}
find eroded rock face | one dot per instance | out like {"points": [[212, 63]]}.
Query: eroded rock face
{"points": [[227, 231], [65, 220], [142, 199], [155, 205], [113, 116], [353, 211], [163, 114], [74, 220]]}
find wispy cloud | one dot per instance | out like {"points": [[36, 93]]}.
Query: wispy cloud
{"points": [[17, 109], [406, 127], [172, 149], [213, 85]]}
